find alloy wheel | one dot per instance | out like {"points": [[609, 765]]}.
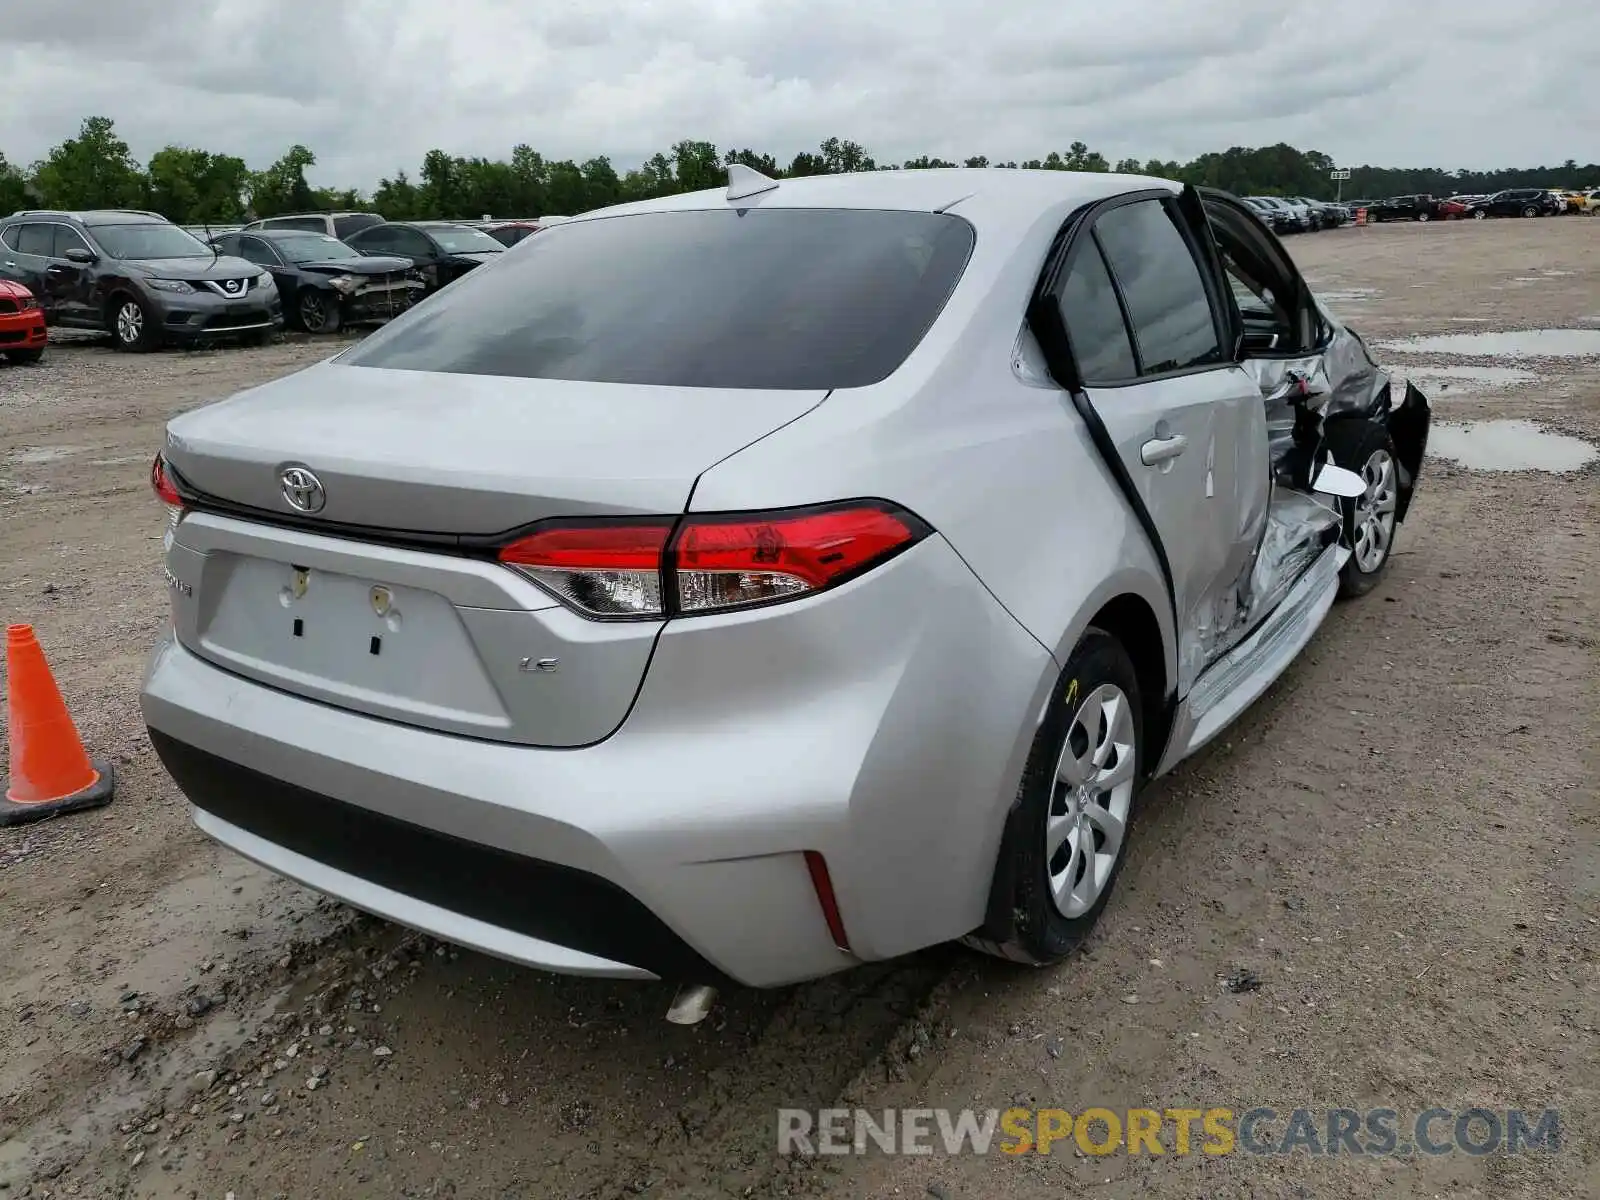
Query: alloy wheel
{"points": [[1087, 820], [313, 312], [1375, 512], [130, 323]]}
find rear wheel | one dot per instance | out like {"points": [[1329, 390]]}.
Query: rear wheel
{"points": [[1479, 214], [319, 313], [1371, 519], [1530, 211], [1064, 848], [131, 324], [1424, 217]]}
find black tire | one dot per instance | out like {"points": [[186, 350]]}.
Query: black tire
{"points": [[1361, 446], [29, 356], [128, 334], [1530, 211], [316, 312], [1424, 217], [1041, 934]]}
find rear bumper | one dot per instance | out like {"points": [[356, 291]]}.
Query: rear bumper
{"points": [[675, 847]]}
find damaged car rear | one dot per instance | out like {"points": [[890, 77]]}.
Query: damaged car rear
{"points": [[747, 584]]}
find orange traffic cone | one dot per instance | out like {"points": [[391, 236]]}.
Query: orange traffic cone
{"points": [[50, 773]]}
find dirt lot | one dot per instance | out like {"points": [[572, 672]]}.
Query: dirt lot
{"points": [[1399, 842]]}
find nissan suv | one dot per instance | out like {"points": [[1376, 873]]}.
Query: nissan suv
{"points": [[136, 276]]}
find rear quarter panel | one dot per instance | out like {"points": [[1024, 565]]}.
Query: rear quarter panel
{"points": [[991, 455]]}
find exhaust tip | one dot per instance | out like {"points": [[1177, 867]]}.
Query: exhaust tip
{"points": [[692, 1004]]}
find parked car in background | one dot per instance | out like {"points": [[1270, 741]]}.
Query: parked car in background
{"points": [[722, 656], [1279, 216], [1571, 202], [1521, 202], [136, 276], [326, 284], [1307, 216], [207, 232], [335, 224], [1591, 201], [22, 329], [442, 251], [1454, 209], [509, 233], [1420, 207]]}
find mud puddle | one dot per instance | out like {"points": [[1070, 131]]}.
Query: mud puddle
{"points": [[1509, 445], [1449, 382], [1516, 343]]}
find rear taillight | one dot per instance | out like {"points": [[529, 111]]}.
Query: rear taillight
{"points": [[710, 563], [610, 570], [161, 483], [166, 491]]}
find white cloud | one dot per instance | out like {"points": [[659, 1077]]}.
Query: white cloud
{"points": [[370, 85]]}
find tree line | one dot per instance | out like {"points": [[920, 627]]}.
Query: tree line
{"points": [[95, 169]]}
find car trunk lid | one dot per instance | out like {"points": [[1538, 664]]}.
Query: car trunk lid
{"points": [[386, 601]]}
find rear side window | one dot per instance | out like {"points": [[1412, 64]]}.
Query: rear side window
{"points": [[36, 239], [1094, 322], [764, 298], [314, 224], [343, 227], [1162, 286]]}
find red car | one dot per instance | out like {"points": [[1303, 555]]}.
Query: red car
{"points": [[22, 335], [1454, 210], [509, 233]]}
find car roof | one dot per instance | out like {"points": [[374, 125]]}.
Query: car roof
{"points": [[91, 216], [983, 195], [273, 234]]}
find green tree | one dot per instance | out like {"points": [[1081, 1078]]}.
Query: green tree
{"points": [[13, 187], [839, 156], [282, 187], [194, 186], [92, 170]]}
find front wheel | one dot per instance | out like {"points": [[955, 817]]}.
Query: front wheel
{"points": [[1064, 846], [1370, 519], [319, 313], [1424, 217], [132, 326], [1530, 211], [1479, 215]]}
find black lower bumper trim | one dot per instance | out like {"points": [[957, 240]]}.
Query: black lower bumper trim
{"points": [[543, 900]]}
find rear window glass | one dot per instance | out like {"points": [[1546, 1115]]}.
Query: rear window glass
{"points": [[766, 298]]}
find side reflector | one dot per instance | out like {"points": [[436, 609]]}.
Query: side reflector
{"points": [[823, 884]]}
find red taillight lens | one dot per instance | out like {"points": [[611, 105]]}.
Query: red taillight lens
{"points": [[611, 570], [161, 483], [715, 562], [727, 562]]}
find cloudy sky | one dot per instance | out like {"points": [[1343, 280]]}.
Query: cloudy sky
{"points": [[370, 85]]}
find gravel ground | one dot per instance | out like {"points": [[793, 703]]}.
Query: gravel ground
{"points": [[1380, 888]]}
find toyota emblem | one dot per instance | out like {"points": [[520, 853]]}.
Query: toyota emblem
{"points": [[302, 489]]}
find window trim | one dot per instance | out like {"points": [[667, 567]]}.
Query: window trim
{"points": [[1079, 231], [1305, 300]]}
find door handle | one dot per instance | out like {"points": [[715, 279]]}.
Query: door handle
{"points": [[1160, 450]]}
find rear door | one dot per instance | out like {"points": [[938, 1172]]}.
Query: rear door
{"points": [[71, 285], [1152, 346], [27, 257]]}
